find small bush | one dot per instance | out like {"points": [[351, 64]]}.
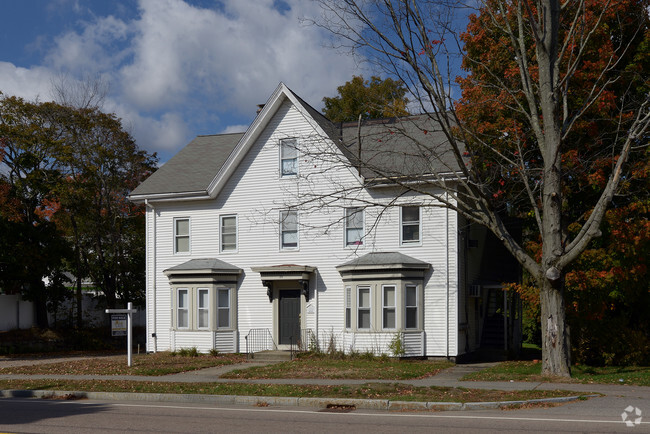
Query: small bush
{"points": [[186, 352], [213, 352], [396, 345]]}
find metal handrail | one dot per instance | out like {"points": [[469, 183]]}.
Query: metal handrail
{"points": [[259, 340]]}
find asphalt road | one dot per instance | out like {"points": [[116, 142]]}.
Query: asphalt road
{"points": [[92, 416]]}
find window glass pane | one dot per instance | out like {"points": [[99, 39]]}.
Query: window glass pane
{"points": [[182, 227], [182, 318], [229, 239], [410, 214], [203, 318], [364, 297], [348, 317], [224, 298], [182, 298], [411, 233], [289, 220], [182, 244], [364, 319], [389, 318], [228, 224], [389, 296], [224, 318], [411, 295], [290, 239], [288, 148], [203, 298], [290, 167], [354, 236], [411, 317]]}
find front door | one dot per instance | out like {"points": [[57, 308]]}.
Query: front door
{"points": [[289, 316]]}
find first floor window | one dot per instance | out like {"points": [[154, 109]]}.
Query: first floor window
{"points": [[354, 226], [363, 308], [228, 233], [182, 314], [410, 225], [223, 308], [411, 307], [388, 308], [203, 307], [348, 307], [289, 229], [181, 235]]}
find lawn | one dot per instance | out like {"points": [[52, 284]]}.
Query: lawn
{"points": [[395, 391], [531, 371], [162, 363], [351, 367]]}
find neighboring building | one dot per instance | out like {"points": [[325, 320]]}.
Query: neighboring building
{"points": [[273, 237]]}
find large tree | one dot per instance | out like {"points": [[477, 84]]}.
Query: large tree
{"points": [[367, 99], [553, 99]]}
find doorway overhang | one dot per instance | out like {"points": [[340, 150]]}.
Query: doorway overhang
{"points": [[288, 272]]}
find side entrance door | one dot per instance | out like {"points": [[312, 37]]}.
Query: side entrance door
{"points": [[289, 316]]}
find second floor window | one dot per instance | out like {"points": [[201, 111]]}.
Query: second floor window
{"points": [[288, 157], [228, 226], [410, 225], [353, 226], [181, 235], [288, 229]]}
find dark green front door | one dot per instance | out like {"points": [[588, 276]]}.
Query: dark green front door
{"points": [[289, 316]]}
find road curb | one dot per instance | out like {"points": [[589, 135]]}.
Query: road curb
{"points": [[366, 404]]}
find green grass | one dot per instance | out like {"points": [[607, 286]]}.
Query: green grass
{"points": [[395, 392], [162, 363], [532, 371], [349, 367]]}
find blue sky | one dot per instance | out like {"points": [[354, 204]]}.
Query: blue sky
{"points": [[175, 68]]}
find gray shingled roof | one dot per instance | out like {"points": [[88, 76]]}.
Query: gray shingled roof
{"points": [[213, 265], [384, 260], [411, 146], [193, 168], [405, 147]]}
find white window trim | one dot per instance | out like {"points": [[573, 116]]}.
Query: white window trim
{"points": [[189, 236], [221, 249], [384, 306], [362, 241], [417, 307], [369, 308], [220, 309], [186, 308], [401, 227], [297, 158], [199, 309], [297, 247]]}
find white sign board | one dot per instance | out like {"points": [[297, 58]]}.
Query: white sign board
{"points": [[118, 324]]}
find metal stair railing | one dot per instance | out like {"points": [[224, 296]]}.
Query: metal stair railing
{"points": [[259, 340]]}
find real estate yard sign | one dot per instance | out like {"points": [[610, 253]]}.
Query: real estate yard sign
{"points": [[118, 324]]}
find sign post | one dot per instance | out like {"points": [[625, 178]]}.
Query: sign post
{"points": [[118, 328]]}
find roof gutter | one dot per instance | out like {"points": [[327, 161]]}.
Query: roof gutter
{"points": [[167, 197]]}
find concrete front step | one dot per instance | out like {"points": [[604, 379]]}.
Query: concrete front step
{"points": [[272, 356]]}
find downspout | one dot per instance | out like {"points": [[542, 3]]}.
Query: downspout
{"points": [[316, 294], [153, 273], [447, 243]]}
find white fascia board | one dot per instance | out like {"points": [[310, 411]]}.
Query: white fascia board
{"points": [[167, 197]]}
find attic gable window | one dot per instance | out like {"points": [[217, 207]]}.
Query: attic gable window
{"points": [[288, 157]]}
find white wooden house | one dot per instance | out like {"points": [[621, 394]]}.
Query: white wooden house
{"points": [[274, 237]]}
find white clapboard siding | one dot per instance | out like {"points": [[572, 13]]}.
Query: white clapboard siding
{"points": [[413, 344], [256, 194]]}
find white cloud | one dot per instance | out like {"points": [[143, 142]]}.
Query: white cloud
{"points": [[234, 129], [30, 84]]}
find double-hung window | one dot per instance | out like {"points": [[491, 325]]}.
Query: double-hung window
{"points": [[388, 307], [288, 229], [182, 308], [203, 308], [288, 157], [410, 225], [411, 307], [363, 307], [182, 235], [354, 226], [223, 308], [228, 232]]}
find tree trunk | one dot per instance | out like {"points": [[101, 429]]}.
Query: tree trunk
{"points": [[40, 304], [555, 342]]}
